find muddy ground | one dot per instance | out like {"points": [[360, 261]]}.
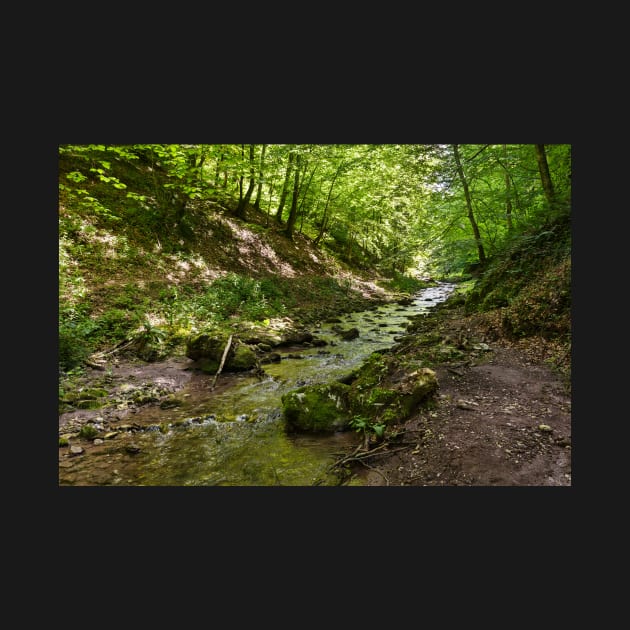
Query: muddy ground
{"points": [[501, 417]]}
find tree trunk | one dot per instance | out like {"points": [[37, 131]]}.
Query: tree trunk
{"points": [[269, 204], [244, 200], [545, 177], [508, 193], [294, 200], [285, 187], [324, 225], [260, 178], [469, 206], [303, 193]]}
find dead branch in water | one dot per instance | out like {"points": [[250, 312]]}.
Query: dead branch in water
{"points": [[225, 353]]}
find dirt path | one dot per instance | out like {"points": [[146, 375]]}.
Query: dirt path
{"points": [[505, 421]]}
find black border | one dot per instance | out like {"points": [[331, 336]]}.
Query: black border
{"points": [[361, 111]]}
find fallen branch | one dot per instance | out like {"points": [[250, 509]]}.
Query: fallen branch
{"points": [[95, 366], [358, 456], [225, 353], [125, 343]]}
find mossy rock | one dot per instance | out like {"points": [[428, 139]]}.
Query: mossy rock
{"points": [[397, 402], [317, 408], [208, 351], [206, 346], [244, 358], [91, 393], [89, 404]]}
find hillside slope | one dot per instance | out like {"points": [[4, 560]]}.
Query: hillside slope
{"points": [[132, 264]]}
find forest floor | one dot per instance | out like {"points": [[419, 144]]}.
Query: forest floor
{"points": [[501, 417]]}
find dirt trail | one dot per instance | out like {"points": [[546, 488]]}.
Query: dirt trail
{"points": [[505, 421]]}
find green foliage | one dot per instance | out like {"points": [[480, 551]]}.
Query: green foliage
{"points": [[88, 431], [75, 329], [114, 324], [367, 426], [237, 295], [149, 335], [404, 283]]}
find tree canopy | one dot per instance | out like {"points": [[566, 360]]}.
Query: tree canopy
{"points": [[433, 207]]}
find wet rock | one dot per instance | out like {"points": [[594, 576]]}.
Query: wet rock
{"points": [[348, 335], [296, 338], [272, 357]]}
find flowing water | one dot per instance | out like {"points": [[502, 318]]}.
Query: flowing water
{"points": [[238, 437]]}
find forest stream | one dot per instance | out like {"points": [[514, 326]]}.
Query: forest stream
{"points": [[235, 435]]}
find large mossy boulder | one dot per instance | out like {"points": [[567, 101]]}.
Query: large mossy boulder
{"points": [[392, 400], [208, 350], [317, 408], [413, 390]]}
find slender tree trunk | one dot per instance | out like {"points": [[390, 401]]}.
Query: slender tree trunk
{"points": [[217, 172], [285, 187], [508, 193], [244, 200], [294, 200], [324, 225], [260, 178], [469, 206], [303, 193], [269, 204], [545, 177]]}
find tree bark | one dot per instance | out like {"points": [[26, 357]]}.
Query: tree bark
{"points": [[244, 200], [325, 219], [285, 187], [545, 177], [508, 193], [294, 200], [469, 206], [260, 177]]}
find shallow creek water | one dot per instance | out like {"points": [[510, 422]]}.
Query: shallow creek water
{"points": [[237, 437]]}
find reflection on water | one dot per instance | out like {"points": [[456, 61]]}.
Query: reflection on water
{"points": [[238, 436]]}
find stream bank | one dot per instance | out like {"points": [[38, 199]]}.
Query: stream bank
{"points": [[502, 415]]}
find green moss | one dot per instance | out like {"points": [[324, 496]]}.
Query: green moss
{"points": [[88, 431], [317, 408], [244, 359], [89, 404]]}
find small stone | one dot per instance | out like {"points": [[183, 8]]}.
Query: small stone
{"points": [[544, 427]]}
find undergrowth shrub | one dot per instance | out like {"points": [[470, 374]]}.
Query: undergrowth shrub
{"points": [[74, 344]]}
